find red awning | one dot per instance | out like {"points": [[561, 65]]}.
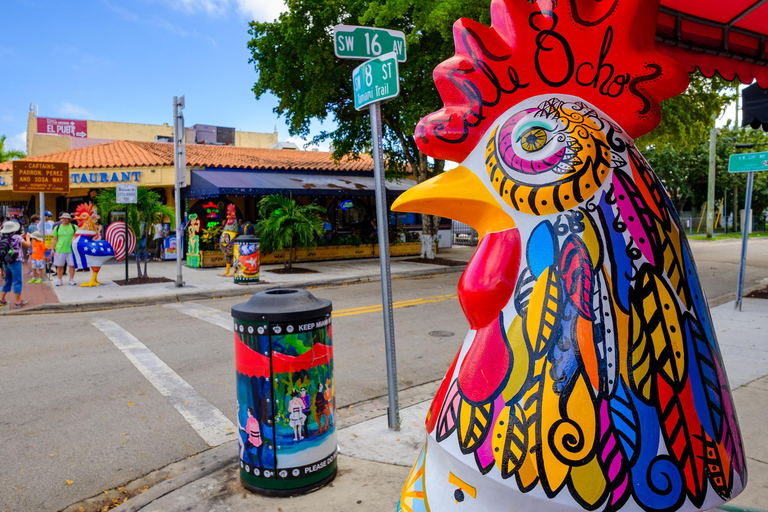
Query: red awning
{"points": [[251, 363], [730, 38]]}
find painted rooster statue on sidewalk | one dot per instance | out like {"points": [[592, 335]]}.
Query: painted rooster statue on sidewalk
{"points": [[591, 378]]}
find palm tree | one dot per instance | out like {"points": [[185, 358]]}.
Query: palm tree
{"points": [[11, 154], [147, 209], [286, 224]]}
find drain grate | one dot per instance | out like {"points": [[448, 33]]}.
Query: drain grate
{"points": [[441, 334]]}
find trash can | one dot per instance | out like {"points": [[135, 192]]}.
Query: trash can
{"points": [[285, 392], [246, 258]]}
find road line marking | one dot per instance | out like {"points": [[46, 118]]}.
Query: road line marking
{"points": [[395, 305], [217, 317], [208, 421], [211, 315]]}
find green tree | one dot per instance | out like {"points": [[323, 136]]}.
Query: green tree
{"points": [[9, 154], [294, 60], [147, 209], [686, 119], [286, 224]]}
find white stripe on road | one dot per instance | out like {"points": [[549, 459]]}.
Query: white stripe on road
{"points": [[209, 422], [210, 315]]}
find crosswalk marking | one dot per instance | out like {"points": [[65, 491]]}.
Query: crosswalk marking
{"points": [[208, 421], [210, 315]]}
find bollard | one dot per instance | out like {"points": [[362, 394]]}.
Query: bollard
{"points": [[246, 259], [285, 392]]}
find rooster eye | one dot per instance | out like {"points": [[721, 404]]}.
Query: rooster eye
{"points": [[533, 139]]}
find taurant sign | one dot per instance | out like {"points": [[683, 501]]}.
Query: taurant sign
{"points": [[106, 177]]}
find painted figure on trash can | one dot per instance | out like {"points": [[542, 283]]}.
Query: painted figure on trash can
{"points": [[591, 378]]}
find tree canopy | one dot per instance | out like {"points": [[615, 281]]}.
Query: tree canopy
{"points": [[294, 60]]}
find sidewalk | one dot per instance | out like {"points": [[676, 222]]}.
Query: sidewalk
{"points": [[375, 461], [207, 283]]}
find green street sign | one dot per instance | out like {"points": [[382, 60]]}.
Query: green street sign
{"points": [[363, 43], [376, 80], [748, 162]]}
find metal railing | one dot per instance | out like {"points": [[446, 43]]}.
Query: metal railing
{"points": [[463, 234]]}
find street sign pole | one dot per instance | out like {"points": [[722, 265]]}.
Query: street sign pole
{"points": [[375, 81], [750, 163], [180, 162], [382, 221], [42, 231], [744, 239], [125, 249]]}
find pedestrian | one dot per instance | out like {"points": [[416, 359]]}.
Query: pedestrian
{"points": [[62, 248], [157, 241], [37, 261], [11, 246]]}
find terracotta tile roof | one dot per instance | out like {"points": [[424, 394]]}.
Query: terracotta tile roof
{"points": [[123, 153]]}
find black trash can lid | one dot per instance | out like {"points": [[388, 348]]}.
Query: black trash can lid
{"points": [[281, 305], [246, 239]]}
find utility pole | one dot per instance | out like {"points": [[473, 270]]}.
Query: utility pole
{"points": [[180, 163], [711, 180]]}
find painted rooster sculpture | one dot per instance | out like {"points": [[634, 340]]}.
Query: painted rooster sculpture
{"points": [[88, 251], [591, 377]]}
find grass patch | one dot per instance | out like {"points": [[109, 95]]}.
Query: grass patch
{"points": [[729, 236]]}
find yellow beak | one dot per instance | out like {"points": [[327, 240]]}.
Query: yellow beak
{"points": [[457, 194]]}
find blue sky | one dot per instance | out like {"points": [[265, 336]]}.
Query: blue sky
{"points": [[124, 60]]}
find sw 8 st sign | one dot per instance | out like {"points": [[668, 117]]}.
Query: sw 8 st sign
{"points": [[376, 80]]}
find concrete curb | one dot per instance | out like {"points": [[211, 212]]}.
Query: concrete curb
{"points": [[226, 455], [81, 307]]}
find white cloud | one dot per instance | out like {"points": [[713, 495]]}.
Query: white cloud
{"points": [[214, 7], [70, 109], [306, 146], [261, 10], [17, 142]]}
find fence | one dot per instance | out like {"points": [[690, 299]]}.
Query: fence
{"points": [[463, 234]]}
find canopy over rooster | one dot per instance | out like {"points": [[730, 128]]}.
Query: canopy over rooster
{"points": [[88, 251], [591, 377]]}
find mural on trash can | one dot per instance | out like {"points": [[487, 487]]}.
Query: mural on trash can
{"points": [[591, 377], [286, 423], [303, 391], [246, 262], [254, 396]]}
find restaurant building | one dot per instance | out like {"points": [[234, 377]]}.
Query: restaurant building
{"points": [[215, 175]]}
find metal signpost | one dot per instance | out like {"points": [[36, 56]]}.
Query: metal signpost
{"points": [[375, 81], [751, 163], [180, 163], [126, 194], [41, 177]]}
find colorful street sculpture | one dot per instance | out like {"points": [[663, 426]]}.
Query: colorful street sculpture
{"points": [[591, 377], [87, 249], [229, 233]]}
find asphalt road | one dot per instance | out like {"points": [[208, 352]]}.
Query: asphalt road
{"points": [[77, 416]]}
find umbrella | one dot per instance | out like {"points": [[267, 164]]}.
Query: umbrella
{"points": [[730, 38], [755, 107]]}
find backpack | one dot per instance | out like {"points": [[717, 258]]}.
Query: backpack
{"points": [[7, 254]]}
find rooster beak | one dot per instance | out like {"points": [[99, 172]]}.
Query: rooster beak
{"points": [[457, 194]]}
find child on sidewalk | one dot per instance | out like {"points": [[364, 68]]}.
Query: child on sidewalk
{"points": [[37, 262]]}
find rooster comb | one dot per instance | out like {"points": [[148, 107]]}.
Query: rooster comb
{"points": [[86, 208], [602, 51]]}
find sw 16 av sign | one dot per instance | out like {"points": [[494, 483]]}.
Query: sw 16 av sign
{"points": [[31, 176]]}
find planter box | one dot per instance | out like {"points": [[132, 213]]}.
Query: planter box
{"points": [[206, 259], [343, 252]]}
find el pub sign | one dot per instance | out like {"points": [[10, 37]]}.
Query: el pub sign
{"points": [[68, 127]]}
